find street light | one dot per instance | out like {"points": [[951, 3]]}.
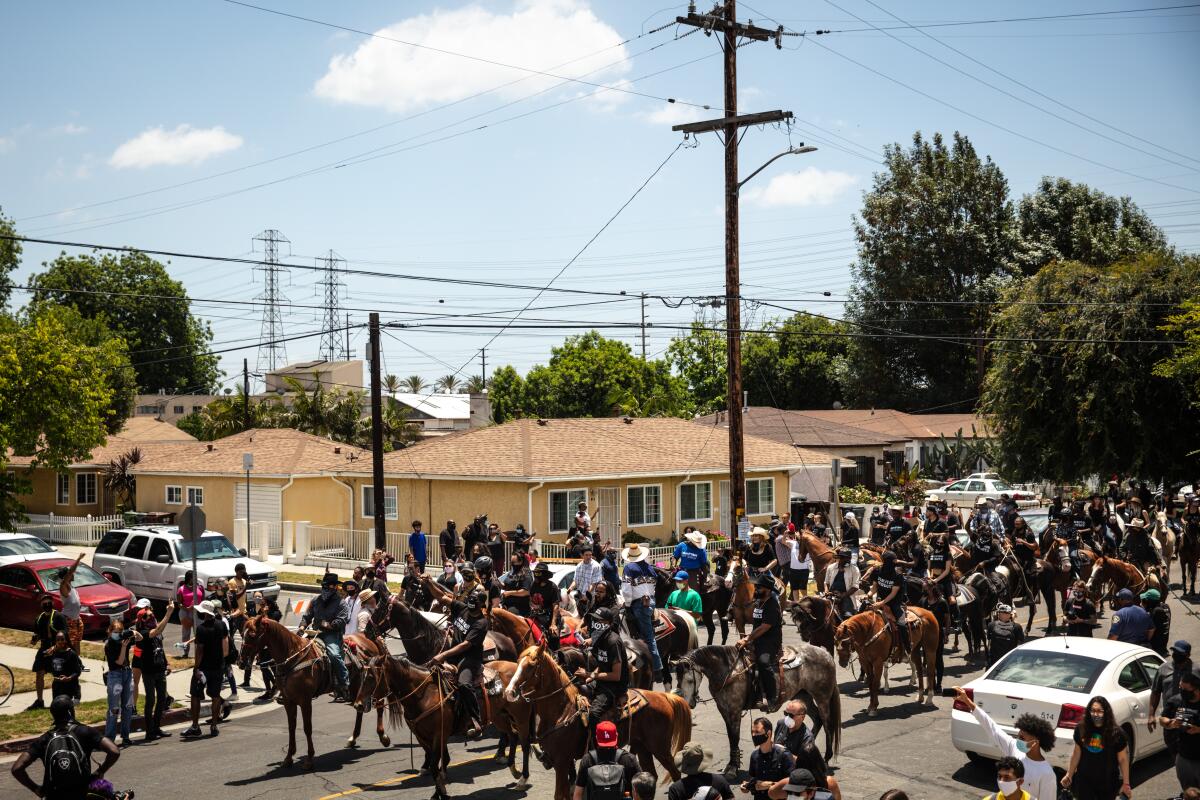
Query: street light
{"points": [[791, 151]]}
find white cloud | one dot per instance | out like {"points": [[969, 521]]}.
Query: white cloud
{"points": [[538, 34], [808, 187], [7, 143], [676, 114], [69, 129], [184, 145]]}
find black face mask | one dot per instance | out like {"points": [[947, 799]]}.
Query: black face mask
{"points": [[1180, 660], [759, 739]]}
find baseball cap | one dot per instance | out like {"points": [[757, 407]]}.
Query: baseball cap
{"points": [[1125, 594], [1004, 608], [143, 603], [1151, 594], [800, 781], [681, 575], [606, 735], [205, 607], [1182, 647]]}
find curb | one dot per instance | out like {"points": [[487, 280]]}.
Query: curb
{"points": [[305, 588]]}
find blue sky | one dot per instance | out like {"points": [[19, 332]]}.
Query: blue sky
{"points": [[109, 100]]}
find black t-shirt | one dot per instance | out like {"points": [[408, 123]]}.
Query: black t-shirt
{"points": [[897, 528], [1098, 769], [112, 651], [934, 526], [768, 614], [47, 625], [1191, 523], [542, 599], [623, 757], [769, 766], [938, 559], [211, 634], [474, 631], [64, 662], [89, 742], [879, 523], [607, 650], [1160, 615], [884, 585], [1077, 613], [688, 787], [515, 581], [760, 560], [1178, 708]]}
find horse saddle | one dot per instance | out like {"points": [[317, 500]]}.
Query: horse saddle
{"points": [[493, 686], [664, 626], [633, 702]]}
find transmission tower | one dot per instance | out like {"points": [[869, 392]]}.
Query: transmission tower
{"points": [[272, 353], [332, 287]]}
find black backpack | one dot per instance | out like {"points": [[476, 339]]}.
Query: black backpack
{"points": [[605, 780], [157, 654], [67, 766]]}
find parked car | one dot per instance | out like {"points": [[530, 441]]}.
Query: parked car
{"points": [[967, 491], [1054, 678], [22, 586], [18, 547], [151, 561]]}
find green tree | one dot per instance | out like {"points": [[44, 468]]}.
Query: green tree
{"points": [[507, 394], [55, 401], [448, 383], [1070, 392], [1067, 221], [391, 385], [414, 384], [10, 258], [1184, 365], [133, 294], [700, 359], [475, 385], [120, 479], [936, 223], [797, 365]]}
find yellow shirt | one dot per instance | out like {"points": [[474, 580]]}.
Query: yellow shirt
{"points": [[238, 587], [998, 796]]}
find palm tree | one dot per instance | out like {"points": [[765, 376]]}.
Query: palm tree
{"points": [[391, 385], [448, 383], [120, 480], [414, 384], [475, 385]]}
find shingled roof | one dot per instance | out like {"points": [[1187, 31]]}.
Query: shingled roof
{"points": [[550, 449], [144, 433], [799, 428], [277, 451], [901, 424]]}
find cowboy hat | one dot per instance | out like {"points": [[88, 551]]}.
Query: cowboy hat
{"points": [[697, 538], [981, 501], [766, 580], [205, 608], [633, 553], [1137, 522], [366, 595], [757, 531]]}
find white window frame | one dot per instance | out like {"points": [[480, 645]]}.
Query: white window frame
{"points": [[81, 480], [629, 504], [178, 501], [194, 492], [758, 509], [679, 501], [391, 496], [62, 489], [572, 507]]}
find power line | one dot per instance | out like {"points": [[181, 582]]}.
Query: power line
{"points": [[1080, 15]]}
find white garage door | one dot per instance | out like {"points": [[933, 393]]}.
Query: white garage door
{"points": [[266, 506]]}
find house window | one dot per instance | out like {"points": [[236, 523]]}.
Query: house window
{"points": [[197, 409], [63, 495], [563, 503], [85, 489], [390, 502], [695, 501], [178, 409], [147, 411], [174, 495], [760, 496], [195, 495], [645, 505]]}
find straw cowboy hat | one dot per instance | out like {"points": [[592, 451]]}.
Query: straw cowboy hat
{"points": [[366, 595], [697, 538], [757, 531], [1137, 522], [633, 553]]}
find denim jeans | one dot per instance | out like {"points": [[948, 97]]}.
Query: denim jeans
{"points": [[333, 644], [120, 701], [644, 615]]}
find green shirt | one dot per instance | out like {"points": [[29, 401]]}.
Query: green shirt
{"points": [[687, 599]]}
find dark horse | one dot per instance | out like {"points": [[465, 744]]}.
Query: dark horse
{"points": [[1189, 554]]}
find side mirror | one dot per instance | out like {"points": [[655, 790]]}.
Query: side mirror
{"points": [[163, 559], [242, 550]]}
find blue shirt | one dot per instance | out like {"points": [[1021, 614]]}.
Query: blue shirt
{"points": [[1132, 624], [608, 568], [416, 545], [689, 556]]}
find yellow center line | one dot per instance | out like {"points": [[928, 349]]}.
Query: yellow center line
{"points": [[399, 779]]}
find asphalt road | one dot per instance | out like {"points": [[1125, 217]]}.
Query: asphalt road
{"points": [[904, 747]]}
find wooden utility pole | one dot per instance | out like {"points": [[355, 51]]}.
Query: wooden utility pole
{"points": [[246, 396], [483, 364], [643, 326], [725, 22], [377, 434]]}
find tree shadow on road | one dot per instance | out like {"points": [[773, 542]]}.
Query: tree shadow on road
{"points": [[333, 761], [457, 778]]}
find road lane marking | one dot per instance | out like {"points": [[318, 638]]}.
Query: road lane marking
{"points": [[400, 779]]}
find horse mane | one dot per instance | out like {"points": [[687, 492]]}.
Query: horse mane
{"points": [[713, 655]]}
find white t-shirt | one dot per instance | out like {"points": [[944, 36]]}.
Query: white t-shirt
{"points": [[796, 562], [1040, 780]]}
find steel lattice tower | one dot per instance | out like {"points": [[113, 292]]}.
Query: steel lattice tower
{"points": [[331, 286], [272, 352]]}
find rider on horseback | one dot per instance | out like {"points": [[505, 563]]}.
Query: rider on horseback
{"points": [[941, 568], [841, 584], [889, 598], [609, 677], [469, 627], [328, 613], [1064, 528], [1025, 547], [767, 637], [544, 599], [1138, 549]]}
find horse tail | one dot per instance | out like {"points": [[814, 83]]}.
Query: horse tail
{"points": [[834, 724], [690, 622], [681, 721]]}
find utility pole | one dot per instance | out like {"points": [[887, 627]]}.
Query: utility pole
{"points": [[246, 395], [331, 288], [377, 433], [724, 21], [349, 353], [272, 352], [643, 326], [483, 364]]}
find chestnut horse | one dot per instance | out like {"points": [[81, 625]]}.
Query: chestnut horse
{"points": [[822, 556], [815, 620], [741, 604], [870, 637], [658, 730], [301, 673], [1116, 575]]}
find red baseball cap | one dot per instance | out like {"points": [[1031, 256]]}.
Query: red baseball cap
{"points": [[606, 735]]}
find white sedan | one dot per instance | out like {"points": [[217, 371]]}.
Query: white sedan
{"points": [[968, 490], [18, 547], [1054, 678]]}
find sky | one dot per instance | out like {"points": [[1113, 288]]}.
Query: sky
{"points": [[491, 141]]}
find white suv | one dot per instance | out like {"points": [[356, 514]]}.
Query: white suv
{"points": [[150, 561]]}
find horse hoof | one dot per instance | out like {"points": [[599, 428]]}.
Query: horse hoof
{"points": [[306, 764], [386, 741], [352, 743], [287, 762], [872, 712], [516, 773], [522, 785]]}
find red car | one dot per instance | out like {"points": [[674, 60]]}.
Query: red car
{"points": [[22, 586]]}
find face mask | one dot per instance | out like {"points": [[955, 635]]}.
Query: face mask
{"points": [[789, 723], [327, 593], [448, 570], [759, 739], [46, 609], [599, 628], [680, 585], [115, 636], [1023, 745], [1007, 787], [516, 567], [1097, 719]]}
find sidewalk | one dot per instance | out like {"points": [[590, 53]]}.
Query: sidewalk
{"points": [[276, 561]]}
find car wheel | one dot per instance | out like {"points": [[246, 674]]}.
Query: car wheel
{"points": [[978, 760]]}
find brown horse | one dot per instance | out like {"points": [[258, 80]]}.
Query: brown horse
{"points": [[821, 553], [741, 604], [815, 620], [1114, 575], [301, 673], [871, 638], [657, 730]]}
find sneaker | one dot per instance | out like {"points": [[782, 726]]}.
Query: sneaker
{"points": [[35, 705], [193, 732], [213, 731], [126, 741]]}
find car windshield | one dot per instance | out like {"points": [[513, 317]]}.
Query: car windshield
{"points": [[84, 576], [210, 547], [1066, 671], [1001, 486], [23, 547]]}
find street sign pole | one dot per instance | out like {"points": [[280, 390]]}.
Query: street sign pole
{"points": [[248, 464], [192, 523]]}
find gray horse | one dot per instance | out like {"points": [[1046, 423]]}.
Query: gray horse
{"points": [[811, 675]]}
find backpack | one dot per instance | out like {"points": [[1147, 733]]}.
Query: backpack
{"points": [[67, 766], [605, 781], [157, 655]]}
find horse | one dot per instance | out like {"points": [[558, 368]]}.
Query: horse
{"points": [[1164, 534], [715, 599], [1054, 577], [1189, 555], [810, 673], [657, 730], [815, 618], [1116, 575], [741, 602], [301, 673], [821, 553], [870, 637]]}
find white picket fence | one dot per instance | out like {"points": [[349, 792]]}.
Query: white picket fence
{"points": [[78, 531]]}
